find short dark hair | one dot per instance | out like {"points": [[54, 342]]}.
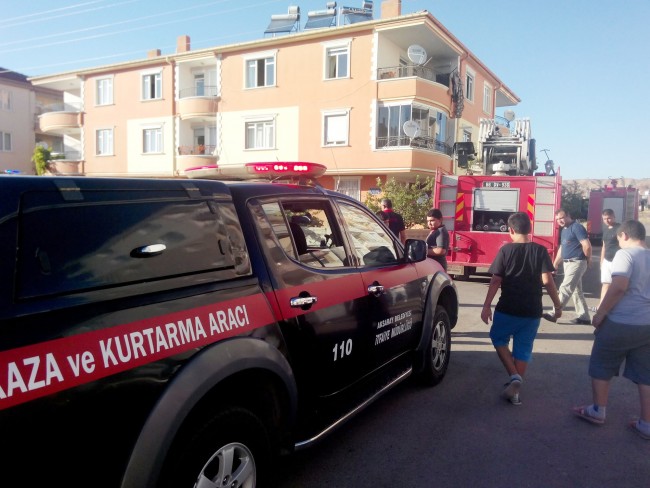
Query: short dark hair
{"points": [[387, 202], [634, 230], [435, 213], [608, 211], [566, 212], [520, 223], [382, 215]]}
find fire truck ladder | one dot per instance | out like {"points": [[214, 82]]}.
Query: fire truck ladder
{"points": [[541, 210]]}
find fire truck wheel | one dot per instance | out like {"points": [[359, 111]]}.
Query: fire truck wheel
{"points": [[232, 448], [436, 359]]}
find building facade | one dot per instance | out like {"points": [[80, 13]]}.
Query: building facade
{"points": [[373, 99]]}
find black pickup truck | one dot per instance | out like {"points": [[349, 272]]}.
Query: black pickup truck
{"points": [[176, 332]]}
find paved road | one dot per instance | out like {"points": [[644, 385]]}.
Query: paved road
{"points": [[462, 434]]}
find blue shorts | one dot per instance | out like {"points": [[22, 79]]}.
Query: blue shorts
{"points": [[522, 330], [616, 342]]}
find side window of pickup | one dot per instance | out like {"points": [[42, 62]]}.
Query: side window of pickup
{"points": [[307, 232], [372, 244], [110, 241]]}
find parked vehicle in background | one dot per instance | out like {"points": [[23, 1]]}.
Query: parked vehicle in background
{"points": [[624, 201], [162, 333]]}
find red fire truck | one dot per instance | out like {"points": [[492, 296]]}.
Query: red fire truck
{"points": [[475, 210], [623, 201]]}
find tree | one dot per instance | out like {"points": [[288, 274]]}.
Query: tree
{"points": [[41, 158], [573, 200], [411, 200]]}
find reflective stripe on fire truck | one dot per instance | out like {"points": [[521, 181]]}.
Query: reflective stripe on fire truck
{"points": [[530, 208], [460, 206]]}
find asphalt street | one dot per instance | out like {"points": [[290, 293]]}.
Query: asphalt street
{"points": [[462, 434]]}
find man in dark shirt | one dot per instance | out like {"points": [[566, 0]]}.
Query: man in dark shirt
{"points": [[610, 246], [395, 220], [438, 238], [519, 269], [575, 255]]}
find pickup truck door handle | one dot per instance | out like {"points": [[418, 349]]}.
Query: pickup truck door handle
{"points": [[303, 301], [376, 289]]}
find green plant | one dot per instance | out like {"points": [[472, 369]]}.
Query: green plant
{"points": [[411, 200], [41, 158]]}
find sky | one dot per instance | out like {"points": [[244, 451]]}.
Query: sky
{"points": [[580, 67]]}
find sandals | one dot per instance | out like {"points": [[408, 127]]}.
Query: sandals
{"points": [[584, 412], [634, 426]]}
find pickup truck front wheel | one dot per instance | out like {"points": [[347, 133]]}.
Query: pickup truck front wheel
{"points": [[436, 358], [230, 449]]}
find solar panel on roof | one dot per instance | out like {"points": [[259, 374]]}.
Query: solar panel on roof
{"points": [[321, 18], [281, 23]]}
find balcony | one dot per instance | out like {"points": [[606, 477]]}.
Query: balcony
{"points": [[416, 81], [61, 118], [68, 163], [405, 142], [197, 102], [193, 156]]}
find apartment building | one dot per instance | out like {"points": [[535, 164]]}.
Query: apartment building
{"points": [[373, 98], [20, 105]]}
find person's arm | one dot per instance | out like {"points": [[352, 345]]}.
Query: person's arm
{"points": [[586, 249], [602, 253], [402, 236], [551, 289], [615, 292], [558, 258], [486, 312]]}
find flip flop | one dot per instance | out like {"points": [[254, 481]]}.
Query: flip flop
{"points": [[634, 425], [583, 413]]}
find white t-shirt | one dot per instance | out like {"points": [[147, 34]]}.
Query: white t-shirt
{"points": [[634, 307]]}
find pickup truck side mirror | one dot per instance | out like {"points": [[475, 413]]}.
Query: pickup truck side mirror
{"points": [[415, 250]]}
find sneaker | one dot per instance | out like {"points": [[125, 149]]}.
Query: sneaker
{"points": [[550, 317], [511, 391], [515, 400], [580, 322], [593, 309]]}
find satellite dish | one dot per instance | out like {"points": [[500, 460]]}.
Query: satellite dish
{"points": [[411, 128], [509, 115], [416, 54]]}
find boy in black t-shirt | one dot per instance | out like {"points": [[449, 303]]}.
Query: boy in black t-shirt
{"points": [[519, 269], [609, 248]]}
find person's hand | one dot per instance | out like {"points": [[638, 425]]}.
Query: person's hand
{"points": [[486, 314], [557, 312], [597, 319]]}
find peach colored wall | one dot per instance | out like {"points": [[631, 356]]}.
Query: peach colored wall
{"points": [[19, 122]]}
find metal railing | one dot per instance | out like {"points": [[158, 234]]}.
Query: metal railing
{"points": [[408, 71], [194, 91], [404, 141], [63, 107], [205, 149]]}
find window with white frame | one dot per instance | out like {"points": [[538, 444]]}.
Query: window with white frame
{"points": [[469, 86], [487, 99], [104, 142], [467, 136], [152, 140], [5, 99], [337, 62], [5, 141], [350, 187], [260, 70], [104, 91], [152, 86], [260, 134], [336, 128], [199, 84]]}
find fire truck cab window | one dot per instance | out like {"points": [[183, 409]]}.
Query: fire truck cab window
{"points": [[492, 207]]}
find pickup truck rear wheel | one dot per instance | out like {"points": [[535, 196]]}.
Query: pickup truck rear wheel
{"points": [[230, 449], [437, 356]]}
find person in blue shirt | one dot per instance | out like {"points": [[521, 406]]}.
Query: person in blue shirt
{"points": [[575, 255]]}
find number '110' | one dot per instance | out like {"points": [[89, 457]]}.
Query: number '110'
{"points": [[343, 349]]}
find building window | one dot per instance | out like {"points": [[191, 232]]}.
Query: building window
{"points": [[5, 141], [260, 134], [469, 86], [152, 86], [5, 100], [104, 90], [467, 136], [431, 130], [199, 84], [350, 187], [335, 128], [152, 141], [487, 99], [337, 61], [104, 142], [260, 72]]}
